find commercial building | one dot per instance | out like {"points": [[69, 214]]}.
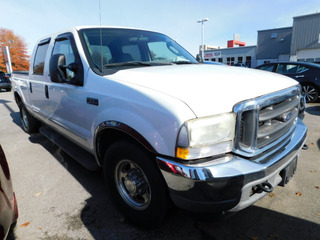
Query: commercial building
{"points": [[230, 56], [274, 45], [301, 42], [305, 45]]}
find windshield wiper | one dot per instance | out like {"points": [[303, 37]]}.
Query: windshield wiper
{"points": [[135, 63], [182, 62], [124, 64]]}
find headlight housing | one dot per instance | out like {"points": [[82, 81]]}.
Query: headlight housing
{"points": [[208, 136]]}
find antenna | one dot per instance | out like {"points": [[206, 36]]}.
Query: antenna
{"points": [[100, 37]]}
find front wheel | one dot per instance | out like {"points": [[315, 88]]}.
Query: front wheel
{"points": [[29, 123], [310, 92], [136, 184]]}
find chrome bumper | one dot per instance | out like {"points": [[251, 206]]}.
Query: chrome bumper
{"points": [[225, 184]]}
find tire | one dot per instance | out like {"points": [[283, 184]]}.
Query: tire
{"points": [[29, 123], [8, 89], [136, 184], [310, 92]]}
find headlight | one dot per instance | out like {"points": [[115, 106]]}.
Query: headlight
{"points": [[204, 137]]}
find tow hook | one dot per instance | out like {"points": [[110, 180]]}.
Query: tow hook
{"points": [[266, 187]]}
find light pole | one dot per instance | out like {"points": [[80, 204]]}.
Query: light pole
{"points": [[202, 48]]}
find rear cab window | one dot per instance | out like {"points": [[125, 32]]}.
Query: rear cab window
{"points": [[40, 56]]}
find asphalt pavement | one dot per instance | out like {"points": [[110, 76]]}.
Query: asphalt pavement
{"points": [[59, 199]]}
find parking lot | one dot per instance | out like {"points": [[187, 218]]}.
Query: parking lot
{"points": [[59, 199]]}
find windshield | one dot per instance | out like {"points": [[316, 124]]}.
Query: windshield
{"points": [[125, 48]]}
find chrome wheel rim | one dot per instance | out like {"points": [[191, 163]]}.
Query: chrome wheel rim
{"points": [[309, 92], [132, 184], [25, 118]]}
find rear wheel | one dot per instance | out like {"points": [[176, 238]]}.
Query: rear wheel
{"points": [[136, 184], [29, 123], [310, 92]]}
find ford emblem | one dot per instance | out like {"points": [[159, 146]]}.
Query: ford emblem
{"points": [[287, 117]]}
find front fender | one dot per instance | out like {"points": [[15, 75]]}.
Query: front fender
{"points": [[157, 132]]}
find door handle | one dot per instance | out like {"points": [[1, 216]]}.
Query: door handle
{"points": [[46, 91], [30, 86], [299, 76]]}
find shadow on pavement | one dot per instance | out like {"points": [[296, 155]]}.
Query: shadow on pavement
{"points": [[314, 110], [6, 104], [14, 115], [16, 118], [103, 220], [260, 223]]}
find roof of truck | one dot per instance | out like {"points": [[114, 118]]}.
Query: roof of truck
{"points": [[96, 26]]}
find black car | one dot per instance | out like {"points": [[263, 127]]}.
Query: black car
{"points": [[307, 74], [5, 82], [240, 65]]}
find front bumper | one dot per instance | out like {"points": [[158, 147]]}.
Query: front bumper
{"points": [[226, 183]]}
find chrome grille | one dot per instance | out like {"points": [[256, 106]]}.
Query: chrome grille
{"points": [[266, 122], [276, 120]]}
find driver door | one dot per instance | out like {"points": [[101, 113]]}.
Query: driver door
{"points": [[67, 105]]}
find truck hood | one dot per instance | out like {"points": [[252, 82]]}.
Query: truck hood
{"points": [[206, 89]]}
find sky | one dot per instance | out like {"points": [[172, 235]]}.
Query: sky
{"points": [[34, 19]]}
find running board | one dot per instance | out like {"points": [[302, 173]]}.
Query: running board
{"points": [[85, 158]]}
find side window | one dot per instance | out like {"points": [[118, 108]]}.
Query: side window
{"points": [[64, 47], [38, 64], [292, 68], [302, 69], [287, 68], [267, 68]]}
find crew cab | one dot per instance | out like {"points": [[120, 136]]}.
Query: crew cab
{"points": [[162, 126]]}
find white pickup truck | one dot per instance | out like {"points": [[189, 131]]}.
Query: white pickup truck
{"points": [[164, 128]]}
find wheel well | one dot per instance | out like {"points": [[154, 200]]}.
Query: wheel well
{"points": [[17, 98], [107, 137], [311, 84]]}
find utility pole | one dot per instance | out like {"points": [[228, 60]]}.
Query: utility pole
{"points": [[202, 48], [7, 58]]}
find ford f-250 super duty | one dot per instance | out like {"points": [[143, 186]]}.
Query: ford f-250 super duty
{"points": [[163, 127]]}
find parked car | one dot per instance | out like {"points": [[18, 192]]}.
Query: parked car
{"points": [[240, 65], [8, 203], [214, 63], [307, 74], [8, 75], [5, 82], [137, 104]]}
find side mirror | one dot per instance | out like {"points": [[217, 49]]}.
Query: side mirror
{"points": [[57, 68], [198, 58]]}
